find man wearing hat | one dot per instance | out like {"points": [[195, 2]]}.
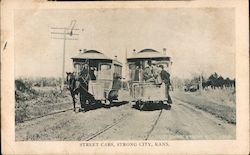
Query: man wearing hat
{"points": [[84, 78], [165, 76], [156, 73], [116, 86], [147, 73]]}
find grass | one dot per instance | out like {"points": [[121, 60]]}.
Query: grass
{"points": [[221, 96], [220, 103], [35, 101], [40, 81]]}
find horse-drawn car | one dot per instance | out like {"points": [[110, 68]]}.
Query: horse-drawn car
{"points": [[143, 88], [104, 76]]}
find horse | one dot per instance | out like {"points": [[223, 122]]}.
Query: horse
{"points": [[75, 87], [71, 81]]}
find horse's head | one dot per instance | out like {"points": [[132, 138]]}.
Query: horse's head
{"points": [[69, 76], [70, 79]]}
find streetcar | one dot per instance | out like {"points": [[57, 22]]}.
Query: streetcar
{"points": [[105, 81], [144, 92]]}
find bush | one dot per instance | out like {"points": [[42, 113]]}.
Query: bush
{"points": [[40, 81], [23, 86], [24, 90], [21, 113], [34, 100], [46, 82]]}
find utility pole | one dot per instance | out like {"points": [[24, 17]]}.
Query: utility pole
{"points": [[200, 82], [126, 65], [64, 33]]}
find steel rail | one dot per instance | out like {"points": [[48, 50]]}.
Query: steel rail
{"points": [[106, 128], [53, 113], [156, 121]]}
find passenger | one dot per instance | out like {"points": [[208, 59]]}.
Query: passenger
{"points": [[137, 72], [149, 63], [165, 76], [156, 74], [92, 73], [147, 73], [136, 77]]}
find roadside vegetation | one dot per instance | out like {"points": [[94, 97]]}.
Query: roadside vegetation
{"points": [[38, 97], [215, 94], [223, 111], [225, 96]]}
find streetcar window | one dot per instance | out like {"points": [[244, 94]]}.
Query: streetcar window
{"points": [[105, 67], [132, 66], [118, 70]]}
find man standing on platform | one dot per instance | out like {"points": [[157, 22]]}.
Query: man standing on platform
{"points": [[165, 76]]}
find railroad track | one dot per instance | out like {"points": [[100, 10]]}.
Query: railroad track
{"points": [[49, 114], [152, 128], [106, 128], [120, 120]]}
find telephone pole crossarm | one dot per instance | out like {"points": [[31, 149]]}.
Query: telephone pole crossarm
{"points": [[65, 38], [64, 34]]}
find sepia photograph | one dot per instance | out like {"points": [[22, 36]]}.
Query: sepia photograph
{"points": [[126, 76]]}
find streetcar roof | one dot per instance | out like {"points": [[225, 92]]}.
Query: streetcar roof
{"points": [[94, 55], [116, 62], [91, 54], [148, 54]]}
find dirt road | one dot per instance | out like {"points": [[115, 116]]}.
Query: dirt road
{"points": [[122, 122]]}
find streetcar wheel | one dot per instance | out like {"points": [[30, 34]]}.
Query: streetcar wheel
{"points": [[110, 102], [107, 103], [98, 103], [161, 104], [168, 107], [141, 105], [81, 110], [136, 105]]}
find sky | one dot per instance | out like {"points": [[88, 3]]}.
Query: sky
{"points": [[197, 40]]}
